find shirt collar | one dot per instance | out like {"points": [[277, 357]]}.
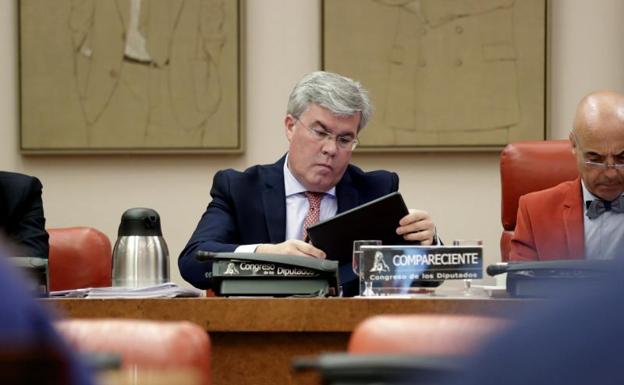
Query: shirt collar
{"points": [[292, 186]]}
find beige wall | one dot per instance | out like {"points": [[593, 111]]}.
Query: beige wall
{"points": [[461, 190], [586, 53]]}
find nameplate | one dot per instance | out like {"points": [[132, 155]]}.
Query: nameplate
{"points": [[404, 264], [259, 269]]}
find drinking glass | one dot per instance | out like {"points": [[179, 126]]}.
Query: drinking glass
{"points": [[467, 243], [357, 254]]}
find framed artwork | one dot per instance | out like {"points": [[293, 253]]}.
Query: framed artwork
{"points": [[442, 74], [130, 76]]}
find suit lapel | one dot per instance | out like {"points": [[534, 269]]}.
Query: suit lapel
{"points": [[573, 221], [274, 198], [346, 194], [274, 201]]}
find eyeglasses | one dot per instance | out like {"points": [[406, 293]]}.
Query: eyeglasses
{"points": [[604, 166], [344, 142], [596, 165]]}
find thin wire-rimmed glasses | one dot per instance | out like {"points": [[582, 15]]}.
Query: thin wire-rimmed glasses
{"points": [[604, 166], [597, 165], [344, 142]]}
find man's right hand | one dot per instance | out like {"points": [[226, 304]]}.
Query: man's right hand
{"points": [[291, 247]]}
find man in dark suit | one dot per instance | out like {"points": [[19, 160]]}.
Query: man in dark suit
{"points": [[267, 208], [21, 214]]}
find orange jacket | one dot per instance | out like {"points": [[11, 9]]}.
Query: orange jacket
{"points": [[550, 224]]}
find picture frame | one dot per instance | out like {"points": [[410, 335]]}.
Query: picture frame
{"points": [[130, 76], [452, 75]]}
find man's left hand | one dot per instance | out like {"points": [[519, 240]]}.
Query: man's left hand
{"points": [[417, 226]]}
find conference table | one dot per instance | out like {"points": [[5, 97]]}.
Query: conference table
{"points": [[254, 340]]}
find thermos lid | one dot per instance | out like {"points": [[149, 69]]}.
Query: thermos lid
{"points": [[140, 221]]}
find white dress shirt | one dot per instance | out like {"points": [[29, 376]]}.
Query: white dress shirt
{"points": [[604, 236], [297, 206]]}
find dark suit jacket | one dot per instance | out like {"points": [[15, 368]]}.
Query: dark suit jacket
{"points": [[21, 213], [550, 224], [250, 207], [573, 339]]}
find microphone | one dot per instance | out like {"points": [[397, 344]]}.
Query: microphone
{"points": [[203, 256], [497, 268]]}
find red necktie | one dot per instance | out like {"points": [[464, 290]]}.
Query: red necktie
{"points": [[313, 215]]}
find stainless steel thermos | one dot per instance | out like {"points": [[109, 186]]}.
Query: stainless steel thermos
{"points": [[140, 255]]}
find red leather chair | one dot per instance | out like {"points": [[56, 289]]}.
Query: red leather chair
{"points": [[79, 257], [423, 334], [142, 344], [526, 167]]}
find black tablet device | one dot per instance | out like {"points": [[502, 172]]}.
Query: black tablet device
{"points": [[377, 219]]}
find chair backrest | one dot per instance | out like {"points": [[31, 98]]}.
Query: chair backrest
{"points": [[143, 344], [79, 257], [423, 334], [526, 167]]}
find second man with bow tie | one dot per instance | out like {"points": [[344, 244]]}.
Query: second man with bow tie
{"points": [[581, 219]]}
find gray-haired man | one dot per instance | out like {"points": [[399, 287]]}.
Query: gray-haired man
{"points": [[266, 208]]}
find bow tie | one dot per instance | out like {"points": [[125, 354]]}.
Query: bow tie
{"points": [[597, 207]]}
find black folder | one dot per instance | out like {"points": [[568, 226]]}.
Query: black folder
{"points": [[377, 219]]}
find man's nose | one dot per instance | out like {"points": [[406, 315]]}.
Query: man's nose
{"points": [[330, 146], [611, 173]]}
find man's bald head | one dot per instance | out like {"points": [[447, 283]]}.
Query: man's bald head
{"points": [[598, 137], [599, 110]]}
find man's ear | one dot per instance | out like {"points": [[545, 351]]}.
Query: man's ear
{"points": [[572, 138], [289, 126]]}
